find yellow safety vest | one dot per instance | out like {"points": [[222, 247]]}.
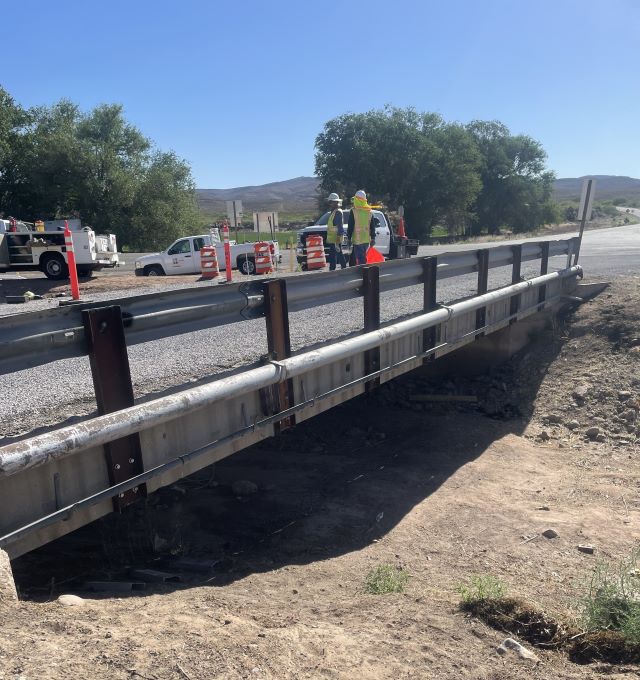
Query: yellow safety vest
{"points": [[332, 229], [362, 220]]}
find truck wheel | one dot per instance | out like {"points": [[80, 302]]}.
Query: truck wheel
{"points": [[247, 265], [84, 272], [54, 266], [153, 270]]}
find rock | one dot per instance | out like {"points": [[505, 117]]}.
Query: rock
{"points": [[550, 533], [624, 394], [592, 432], [71, 601], [553, 418], [588, 549], [511, 645], [630, 415], [581, 392], [573, 425], [8, 593], [243, 487], [546, 508], [601, 438], [544, 436]]}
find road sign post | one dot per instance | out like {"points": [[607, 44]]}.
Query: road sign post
{"points": [[234, 213], [584, 211]]}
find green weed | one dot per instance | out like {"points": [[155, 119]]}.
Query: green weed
{"points": [[385, 579], [481, 587], [613, 599]]}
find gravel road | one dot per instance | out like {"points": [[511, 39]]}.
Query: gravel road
{"points": [[51, 394]]}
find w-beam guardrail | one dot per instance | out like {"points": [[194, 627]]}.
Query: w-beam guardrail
{"points": [[37, 338], [58, 481]]}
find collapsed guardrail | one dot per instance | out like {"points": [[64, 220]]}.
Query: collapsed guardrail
{"points": [[56, 482]]}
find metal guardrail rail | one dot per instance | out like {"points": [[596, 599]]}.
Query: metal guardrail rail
{"points": [[54, 483], [36, 338]]}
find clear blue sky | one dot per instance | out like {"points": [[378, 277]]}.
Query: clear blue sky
{"points": [[241, 89]]}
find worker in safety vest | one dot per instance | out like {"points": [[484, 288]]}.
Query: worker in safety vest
{"points": [[361, 230], [335, 232]]}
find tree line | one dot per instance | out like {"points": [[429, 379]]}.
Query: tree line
{"points": [[472, 178], [58, 162]]}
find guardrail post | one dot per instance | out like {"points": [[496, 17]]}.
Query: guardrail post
{"points": [[430, 273], [483, 285], [279, 344], [371, 294], [514, 305], [109, 361], [544, 269]]}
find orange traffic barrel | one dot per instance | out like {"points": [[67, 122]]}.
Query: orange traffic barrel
{"points": [[262, 253], [315, 253], [209, 262]]}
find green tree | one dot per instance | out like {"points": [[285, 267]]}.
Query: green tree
{"points": [[165, 205], [401, 157], [13, 120], [58, 162], [516, 187]]}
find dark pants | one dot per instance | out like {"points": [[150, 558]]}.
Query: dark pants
{"points": [[335, 253], [360, 251]]}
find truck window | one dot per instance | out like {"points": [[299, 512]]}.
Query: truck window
{"points": [[382, 222], [198, 243], [180, 247]]}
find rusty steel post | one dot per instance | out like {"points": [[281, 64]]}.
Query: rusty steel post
{"points": [[279, 344], [544, 268], [109, 361], [483, 285], [371, 295], [514, 305], [430, 272]]}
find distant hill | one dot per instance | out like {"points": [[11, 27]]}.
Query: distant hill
{"points": [[608, 187], [299, 195], [296, 195]]}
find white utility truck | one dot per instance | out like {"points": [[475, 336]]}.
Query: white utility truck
{"points": [[183, 256], [24, 245]]}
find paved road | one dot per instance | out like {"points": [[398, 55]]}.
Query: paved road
{"points": [[51, 394]]}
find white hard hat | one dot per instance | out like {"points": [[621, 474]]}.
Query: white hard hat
{"points": [[360, 194], [334, 197]]}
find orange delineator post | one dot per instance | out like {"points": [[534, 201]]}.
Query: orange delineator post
{"points": [[227, 251], [401, 231], [71, 262]]}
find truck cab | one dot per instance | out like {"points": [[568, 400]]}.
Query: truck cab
{"points": [[387, 242]]}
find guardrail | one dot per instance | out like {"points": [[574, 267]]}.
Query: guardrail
{"points": [[36, 338], [55, 482]]}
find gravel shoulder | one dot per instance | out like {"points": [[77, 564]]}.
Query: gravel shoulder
{"points": [[443, 490]]}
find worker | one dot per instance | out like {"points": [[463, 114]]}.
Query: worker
{"points": [[361, 230], [335, 232]]}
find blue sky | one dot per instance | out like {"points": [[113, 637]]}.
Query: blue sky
{"points": [[241, 89]]}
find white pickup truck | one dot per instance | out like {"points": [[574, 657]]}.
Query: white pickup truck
{"points": [[183, 257]]}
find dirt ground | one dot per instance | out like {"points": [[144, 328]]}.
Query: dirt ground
{"points": [[444, 490]]}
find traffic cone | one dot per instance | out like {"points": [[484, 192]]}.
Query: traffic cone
{"points": [[401, 231]]}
